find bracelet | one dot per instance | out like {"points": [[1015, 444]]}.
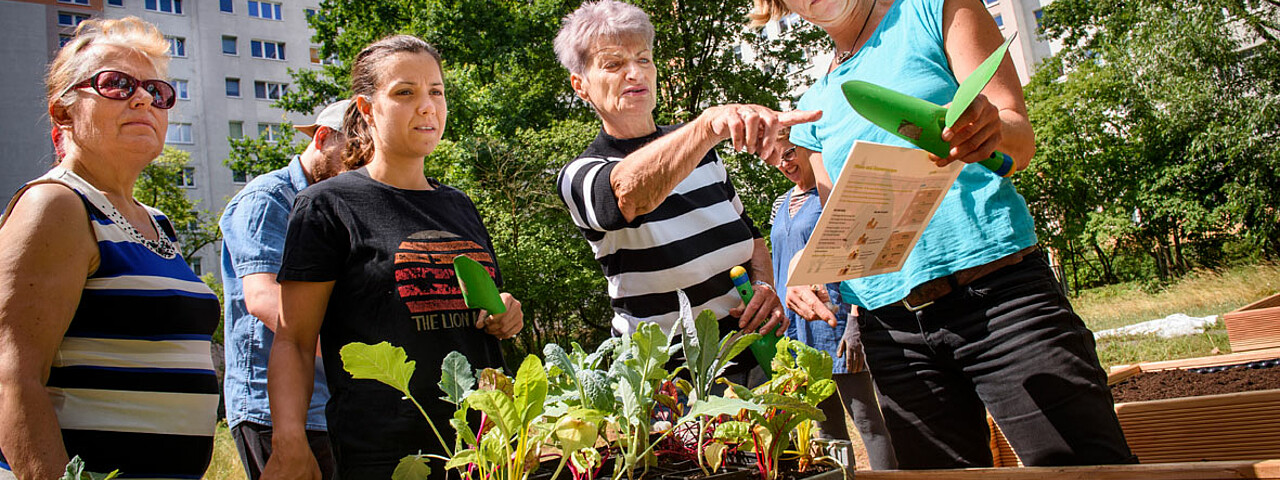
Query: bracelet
{"points": [[762, 283]]}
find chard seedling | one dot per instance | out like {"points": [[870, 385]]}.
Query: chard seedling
{"points": [[509, 440], [788, 401]]}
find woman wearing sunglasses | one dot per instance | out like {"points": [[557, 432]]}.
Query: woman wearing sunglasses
{"points": [[104, 329]]}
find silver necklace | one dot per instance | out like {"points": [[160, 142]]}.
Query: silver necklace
{"points": [[841, 57]]}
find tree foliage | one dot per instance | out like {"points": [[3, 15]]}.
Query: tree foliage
{"points": [[1156, 127], [514, 121], [259, 155], [157, 186]]}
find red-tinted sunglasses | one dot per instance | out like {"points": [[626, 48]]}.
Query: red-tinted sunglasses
{"points": [[121, 86]]}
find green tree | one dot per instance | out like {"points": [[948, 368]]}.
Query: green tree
{"points": [[1153, 125], [158, 186], [514, 121], [262, 154]]}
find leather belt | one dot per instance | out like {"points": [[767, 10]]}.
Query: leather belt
{"points": [[928, 292]]}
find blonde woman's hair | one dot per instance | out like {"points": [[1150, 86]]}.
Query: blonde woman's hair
{"points": [[766, 11], [73, 64]]}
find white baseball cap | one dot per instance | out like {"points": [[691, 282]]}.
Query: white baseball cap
{"points": [[330, 117]]}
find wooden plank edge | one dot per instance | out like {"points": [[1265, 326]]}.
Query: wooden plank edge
{"points": [[1222, 470], [1265, 302], [1212, 361], [1254, 397]]}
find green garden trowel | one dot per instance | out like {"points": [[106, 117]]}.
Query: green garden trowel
{"points": [[478, 289], [921, 122]]}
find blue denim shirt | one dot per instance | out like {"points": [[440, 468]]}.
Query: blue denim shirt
{"points": [[253, 230]]}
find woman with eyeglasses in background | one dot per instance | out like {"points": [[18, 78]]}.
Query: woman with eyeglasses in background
{"points": [[818, 317], [104, 329]]}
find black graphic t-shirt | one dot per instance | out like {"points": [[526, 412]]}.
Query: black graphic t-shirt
{"points": [[390, 252]]}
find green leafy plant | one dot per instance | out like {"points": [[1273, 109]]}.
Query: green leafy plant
{"points": [[512, 428], [706, 357], [76, 471], [638, 369], [789, 406]]}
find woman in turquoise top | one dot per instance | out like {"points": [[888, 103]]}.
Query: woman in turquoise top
{"points": [[975, 321]]}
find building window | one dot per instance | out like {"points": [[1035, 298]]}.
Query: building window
{"points": [[238, 176], [226, 6], [991, 3], [187, 177], [180, 86], [75, 2], [1038, 13], [265, 49], [233, 87], [270, 132], [235, 129], [196, 266], [318, 60], [268, 90], [229, 45], [64, 39], [311, 12], [177, 46], [166, 6], [178, 133], [999, 20], [66, 19], [115, 3], [267, 10]]}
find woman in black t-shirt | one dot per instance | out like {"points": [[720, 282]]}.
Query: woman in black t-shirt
{"points": [[368, 258]]}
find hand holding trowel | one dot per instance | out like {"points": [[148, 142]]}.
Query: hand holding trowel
{"points": [[921, 122], [478, 289]]}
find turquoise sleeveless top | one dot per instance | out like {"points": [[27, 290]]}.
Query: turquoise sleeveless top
{"points": [[981, 219]]}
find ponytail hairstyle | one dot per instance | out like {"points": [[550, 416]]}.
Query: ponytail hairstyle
{"points": [[366, 77]]}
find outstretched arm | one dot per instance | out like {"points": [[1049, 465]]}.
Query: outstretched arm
{"points": [[645, 178]]}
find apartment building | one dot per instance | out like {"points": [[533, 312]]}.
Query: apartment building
{"points": [[230, 63]]}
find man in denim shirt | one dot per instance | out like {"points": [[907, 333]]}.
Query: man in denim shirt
{"points": [[253, 231]]}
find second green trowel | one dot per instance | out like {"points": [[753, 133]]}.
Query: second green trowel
{"points": [[921, 122], [478, 289]]}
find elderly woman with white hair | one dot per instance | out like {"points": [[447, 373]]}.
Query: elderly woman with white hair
{"points": [[104, 329], [655, 202]]}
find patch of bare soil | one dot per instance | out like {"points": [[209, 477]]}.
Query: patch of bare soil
{"points": [[1183, 383]]}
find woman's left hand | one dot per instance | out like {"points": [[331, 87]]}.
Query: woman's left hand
{"points": [[503, 325], [763, 314], [975, 135]]}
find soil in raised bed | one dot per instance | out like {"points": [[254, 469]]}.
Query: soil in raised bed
{"points": [[1182, 383]]}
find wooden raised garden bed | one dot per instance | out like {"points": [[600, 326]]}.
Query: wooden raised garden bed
{"points": [[1254, 326], [1224, 427]]}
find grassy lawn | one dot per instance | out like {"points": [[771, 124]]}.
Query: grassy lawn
{"points": [[1198, 295], [226, 460]]}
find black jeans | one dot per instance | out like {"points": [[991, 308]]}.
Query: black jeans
{"points": [[254, 443], [1009, 344]]}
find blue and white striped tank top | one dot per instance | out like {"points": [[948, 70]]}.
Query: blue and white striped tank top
{"points": [[133, 382]]}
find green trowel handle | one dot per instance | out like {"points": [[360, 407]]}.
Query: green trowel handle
{"points": [[1000, 163], [478, 289]]}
